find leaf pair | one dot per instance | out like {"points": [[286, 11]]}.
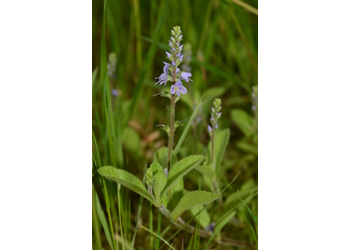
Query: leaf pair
{"points": [[162, 184]]}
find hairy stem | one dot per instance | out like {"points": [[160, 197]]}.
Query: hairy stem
{"points": [[172, 130], [172, 120], [212, 147]]}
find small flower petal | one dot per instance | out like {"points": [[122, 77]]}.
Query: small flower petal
{"points": [[114, 92], [166, 67], [168, 55], [185, 76], [209, 129], [183, 90], [181, 57], [172, 90]]}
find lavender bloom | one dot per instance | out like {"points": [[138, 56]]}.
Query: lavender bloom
{"points": [[163, 78], [185, 76], [115, 92], [168, 55], [171, 70], [209, 129], [211, 227], [178, 88]]}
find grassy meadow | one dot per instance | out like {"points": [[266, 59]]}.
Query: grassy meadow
{"points": [[129, 40]]}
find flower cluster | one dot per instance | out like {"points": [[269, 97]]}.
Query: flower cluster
{"points": [[215, 114], [171, 72]]}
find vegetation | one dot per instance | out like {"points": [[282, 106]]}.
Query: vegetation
{"points": [[174, 164]]}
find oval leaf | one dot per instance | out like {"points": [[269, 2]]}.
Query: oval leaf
{"points": [[160, 182], [180, 169], [126, 179], [203, 217], [192, 199], [244, 121], [220, 144]]}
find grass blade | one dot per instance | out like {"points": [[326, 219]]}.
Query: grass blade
{"points": [[189, 124], [158, 236], [246, 6], [102, 218], [146, 65]]}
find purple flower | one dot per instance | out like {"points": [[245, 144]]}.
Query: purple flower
{"points": [[211, 227], [180, 48], [169, 55], [209, 129], [114, 92], [185, 76], [178, 88], [163, 78]]}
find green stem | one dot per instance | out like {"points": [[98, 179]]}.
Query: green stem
{"points": [[138, 34], [172, 121]]}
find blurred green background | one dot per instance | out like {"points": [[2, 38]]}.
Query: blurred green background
{"points": [[224, 40]]}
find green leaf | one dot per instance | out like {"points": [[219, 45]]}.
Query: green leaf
{"points": [[180, 169], [244, 121], [220, 144], [131, 140], [206, 170], [212, 93], [189, 124], [192, 199], [233, 200], [203, 217], [94, 74], [126, 179], [247, 147], [160, 182], [176, 193], [156, 167]]}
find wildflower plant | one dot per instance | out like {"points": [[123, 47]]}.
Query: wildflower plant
{"points": [[172, 73], [164, 177], [160, 185]]}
